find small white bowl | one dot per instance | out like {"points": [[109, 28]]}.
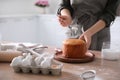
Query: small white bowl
{"points": [[88, 75]]}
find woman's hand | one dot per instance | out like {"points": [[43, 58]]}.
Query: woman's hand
{"points": [[65, 18], [87, 38], [87, 35]]}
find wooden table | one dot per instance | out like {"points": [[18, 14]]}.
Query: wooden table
{"points": [[105, 70]]}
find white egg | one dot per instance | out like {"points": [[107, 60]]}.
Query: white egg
{"points": [[27, 61], [38, 60], [17, 61], [46, 63]]}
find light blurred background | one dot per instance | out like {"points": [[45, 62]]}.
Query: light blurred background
{"points": [[22, 21]]}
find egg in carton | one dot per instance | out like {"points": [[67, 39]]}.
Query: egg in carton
{"points": [[44, 64]]}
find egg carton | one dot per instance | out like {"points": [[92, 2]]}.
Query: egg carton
{"points": [[54, 69]]}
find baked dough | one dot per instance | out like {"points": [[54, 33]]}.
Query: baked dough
{"points": [[74, 48]]}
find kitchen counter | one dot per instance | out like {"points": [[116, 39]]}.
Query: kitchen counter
{"points": [[105, 70]]}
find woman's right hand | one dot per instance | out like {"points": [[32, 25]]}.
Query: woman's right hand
{"points": [[65, 18]]}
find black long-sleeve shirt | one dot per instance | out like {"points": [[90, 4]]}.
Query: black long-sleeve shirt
{"points": [[101, 9]]}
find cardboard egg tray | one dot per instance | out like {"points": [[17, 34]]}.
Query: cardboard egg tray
{"points": [[55, 69]]}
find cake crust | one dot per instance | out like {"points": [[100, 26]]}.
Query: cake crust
{"points": [[74, 48], [73, 42]]}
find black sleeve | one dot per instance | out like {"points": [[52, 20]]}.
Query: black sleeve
{"points": [[109, 12], [66, 4]]}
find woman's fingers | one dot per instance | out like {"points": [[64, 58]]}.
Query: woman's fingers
{"points": [[87, 40], [64, 20]]}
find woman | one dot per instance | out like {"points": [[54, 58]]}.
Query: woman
{"points": [[88, 20]]}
